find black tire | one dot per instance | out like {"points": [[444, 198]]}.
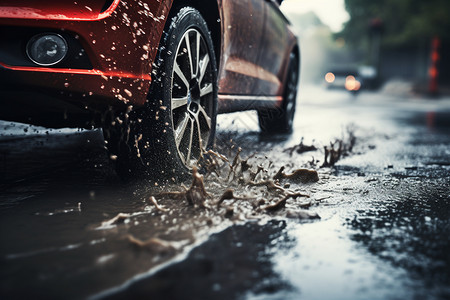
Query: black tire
{"points": [[165, 138], [281, 119]]}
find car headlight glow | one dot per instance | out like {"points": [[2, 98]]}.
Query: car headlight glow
{"points": [[47, 49], [351, 83], [329, 77]]}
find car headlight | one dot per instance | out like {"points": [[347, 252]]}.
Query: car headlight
{"points": [[47, 49]]}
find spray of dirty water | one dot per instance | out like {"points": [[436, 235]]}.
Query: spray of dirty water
{"points": [[225, 190]]}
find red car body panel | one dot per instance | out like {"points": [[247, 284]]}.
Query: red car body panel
{"points": [[82, 10], [120, 52], [120, 40]]}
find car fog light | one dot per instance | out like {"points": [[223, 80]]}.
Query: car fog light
{"points": [[47, 49]]}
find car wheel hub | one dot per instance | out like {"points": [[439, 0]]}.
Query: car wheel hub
{"points": [[192, 97]]}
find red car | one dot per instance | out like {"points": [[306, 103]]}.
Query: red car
{"points": [[152, 73]]}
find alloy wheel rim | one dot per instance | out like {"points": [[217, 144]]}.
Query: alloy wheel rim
{"points": [[192, 97]]}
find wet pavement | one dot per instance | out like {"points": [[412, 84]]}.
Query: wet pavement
{"points": [[384, 209]]}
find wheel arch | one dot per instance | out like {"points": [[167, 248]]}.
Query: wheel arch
{"points": [[210, 12], [296, 51]]}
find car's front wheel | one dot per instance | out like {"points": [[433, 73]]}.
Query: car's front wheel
{"points": [[168, 136]]}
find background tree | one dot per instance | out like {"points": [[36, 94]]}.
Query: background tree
{"points": [[405, 22], [413, 41]]}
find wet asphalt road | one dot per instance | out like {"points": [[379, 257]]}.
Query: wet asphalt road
{"points": [[384, 210]]}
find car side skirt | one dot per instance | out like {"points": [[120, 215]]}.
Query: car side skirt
{"points": [[231, 103]]}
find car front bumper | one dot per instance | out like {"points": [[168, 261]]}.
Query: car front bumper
{"points": [[110, 65]]}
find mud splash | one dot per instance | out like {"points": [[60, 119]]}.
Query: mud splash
{"points": [[224, 190], [230, 191]]}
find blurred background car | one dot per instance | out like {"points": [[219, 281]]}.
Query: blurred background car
{"points": [[341, 78], [352, 79]]}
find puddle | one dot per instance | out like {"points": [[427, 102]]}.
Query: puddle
{"points": [[249, 229]]}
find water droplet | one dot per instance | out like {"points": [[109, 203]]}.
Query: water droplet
{"points": [[128, 92]]}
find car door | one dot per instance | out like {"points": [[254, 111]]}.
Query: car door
{"points": [[242, 27], [274, 49]]}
